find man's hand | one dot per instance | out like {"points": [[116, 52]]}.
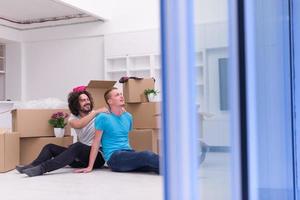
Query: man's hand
{"points": [[83, 170], [102, 110], [93, 153]]}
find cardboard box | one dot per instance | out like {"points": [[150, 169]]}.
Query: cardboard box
{"points": [[31, 147], [145, 115], [133, 90], [144, 139], [9, 151], [97, 90], [34, 122]]}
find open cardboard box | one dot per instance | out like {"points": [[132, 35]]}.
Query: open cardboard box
{"points": [[97, 89], [34, 122], [9, 150], [133, 90]]}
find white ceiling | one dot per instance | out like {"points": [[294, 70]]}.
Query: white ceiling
{"points": [[29, 14]]}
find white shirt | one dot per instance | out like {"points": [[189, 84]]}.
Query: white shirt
{"points": [[86, 134]]}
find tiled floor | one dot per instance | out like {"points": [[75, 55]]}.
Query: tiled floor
{"points": [[103, 184], [214, 177], [65, 185]]}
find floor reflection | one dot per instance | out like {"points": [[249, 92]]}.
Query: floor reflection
{"points": [[214, 177]]}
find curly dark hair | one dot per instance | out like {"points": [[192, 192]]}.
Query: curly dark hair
{"points": [[73, 101]]}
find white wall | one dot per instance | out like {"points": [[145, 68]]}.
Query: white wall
{"points": [[91, 29], [59, 48], [9, 34], [210, 11], [13, 86], [54, 67], [132, 43]]}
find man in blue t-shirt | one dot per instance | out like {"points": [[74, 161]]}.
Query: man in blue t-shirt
{"points": [[114, 128]]}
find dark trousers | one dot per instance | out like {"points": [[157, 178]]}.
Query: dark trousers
{"points": [[54, 157], [129, 160]]}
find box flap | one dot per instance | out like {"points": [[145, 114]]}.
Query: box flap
{"points": [[101, 84]]}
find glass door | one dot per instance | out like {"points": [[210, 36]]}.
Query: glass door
{"points": [[212, 84], [295, 41], [197, 146], [268, 113], [228, 104]]}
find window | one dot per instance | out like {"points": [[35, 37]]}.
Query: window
{"points": [[223, 83]]}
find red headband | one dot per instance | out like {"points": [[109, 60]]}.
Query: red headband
{"points": [[79, 88]]}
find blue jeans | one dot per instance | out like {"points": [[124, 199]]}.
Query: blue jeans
{"points": [[130, 160]]}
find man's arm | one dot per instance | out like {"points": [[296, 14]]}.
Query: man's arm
{"points": [[80, 123], [93, 153]]}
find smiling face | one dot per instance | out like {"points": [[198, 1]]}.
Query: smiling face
{"points": [[85, 103]]}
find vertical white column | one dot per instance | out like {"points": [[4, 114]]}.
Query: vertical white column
{"points": [[180, 130]]}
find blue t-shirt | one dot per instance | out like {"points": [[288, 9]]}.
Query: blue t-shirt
{"points": [[115, 132]]}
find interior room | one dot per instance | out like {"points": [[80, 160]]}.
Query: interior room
{"points": [[48, 47]]}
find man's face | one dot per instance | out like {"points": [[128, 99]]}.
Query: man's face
{"points": [[85, 103], [116, 98]]}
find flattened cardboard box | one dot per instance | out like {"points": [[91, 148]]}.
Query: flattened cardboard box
{"points": [[133, 90], [144, 139], [31, 147], [145, 115], [97, 89], [34, 122], [9, 151]]}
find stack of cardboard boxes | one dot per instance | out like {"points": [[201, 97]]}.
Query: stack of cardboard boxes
{"points": [[35, 132], [146, 115], [31, 131]]}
